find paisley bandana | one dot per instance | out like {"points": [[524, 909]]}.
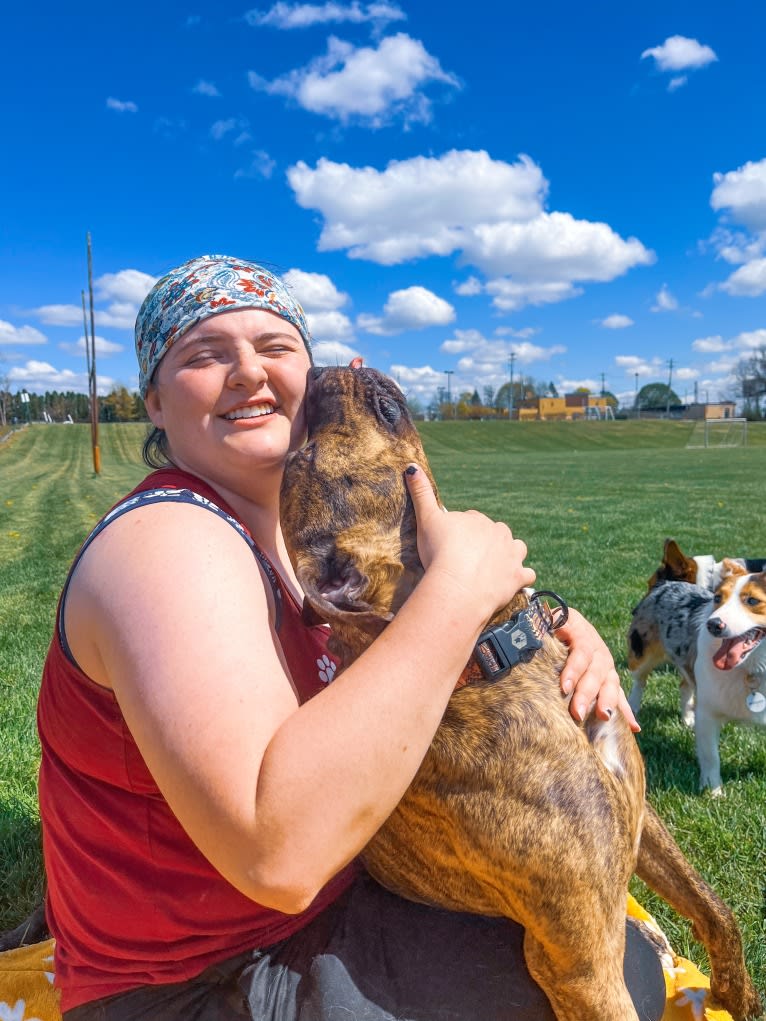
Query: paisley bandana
{"points": [[201, 288]]}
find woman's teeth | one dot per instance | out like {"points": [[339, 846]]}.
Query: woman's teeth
{"points": [[254, 412]]}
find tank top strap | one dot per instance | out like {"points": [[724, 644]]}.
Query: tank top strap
{"points": [[169, 495]]}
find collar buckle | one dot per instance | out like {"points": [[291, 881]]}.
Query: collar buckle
{"points": [[502, 647]]}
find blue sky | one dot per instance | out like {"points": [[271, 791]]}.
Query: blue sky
{"points": [[580, 185]]}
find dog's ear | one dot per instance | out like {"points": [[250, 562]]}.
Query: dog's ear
{"points": [[731, 568], [675, 560]]}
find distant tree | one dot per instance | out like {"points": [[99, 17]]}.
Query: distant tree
{"points": [[750, 377], [611, 399], [489, 396], [118, 406], [656, 397], [415, 408], [552, 389]]}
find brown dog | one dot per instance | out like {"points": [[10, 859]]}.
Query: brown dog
{"points": [[517, 810]]}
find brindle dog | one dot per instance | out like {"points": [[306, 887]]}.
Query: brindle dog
{"points": [[517, 810]]}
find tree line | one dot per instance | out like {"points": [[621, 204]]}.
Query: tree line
{"points": [[119, 405]]}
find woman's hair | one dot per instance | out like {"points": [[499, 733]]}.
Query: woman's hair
{"points": [[155, 450]]}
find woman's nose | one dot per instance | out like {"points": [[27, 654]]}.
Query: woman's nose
{"points": [[247, 368]]}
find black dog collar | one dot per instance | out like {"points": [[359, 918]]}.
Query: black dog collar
{"points": [[502, 647]]}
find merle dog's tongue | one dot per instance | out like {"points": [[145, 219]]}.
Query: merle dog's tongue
{"points": [[732, 650]]}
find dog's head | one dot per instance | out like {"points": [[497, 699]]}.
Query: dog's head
{"points": [[739, 615], [347, 518]]}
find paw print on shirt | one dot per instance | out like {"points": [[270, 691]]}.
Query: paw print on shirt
{"points": [[326, 669]]}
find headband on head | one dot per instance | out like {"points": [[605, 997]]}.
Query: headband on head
{"points": [[204, 287]]}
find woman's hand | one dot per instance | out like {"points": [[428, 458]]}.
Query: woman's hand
{"points": [[477, 554], [590, 673]]}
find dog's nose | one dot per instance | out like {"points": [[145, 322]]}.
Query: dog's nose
{"points": [[716, 626]]}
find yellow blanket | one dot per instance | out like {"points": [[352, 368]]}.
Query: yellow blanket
{"points": [[27, 993]]}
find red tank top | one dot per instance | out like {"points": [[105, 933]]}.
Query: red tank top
{"points": [[131, 900]]}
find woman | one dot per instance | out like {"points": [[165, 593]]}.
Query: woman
{"points": [[202, 812]]}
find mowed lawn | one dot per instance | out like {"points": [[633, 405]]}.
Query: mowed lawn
{"points": [[594, 502]]}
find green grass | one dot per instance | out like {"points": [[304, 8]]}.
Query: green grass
{"points": [[594, 502]]}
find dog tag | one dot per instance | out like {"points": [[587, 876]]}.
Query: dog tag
{"points": [[756, 702]]}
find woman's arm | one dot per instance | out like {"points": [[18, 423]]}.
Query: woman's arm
{"points": [[168, 608]]}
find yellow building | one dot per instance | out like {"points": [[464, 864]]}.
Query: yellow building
{"points": [[562, 409]]}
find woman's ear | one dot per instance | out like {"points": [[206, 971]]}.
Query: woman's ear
{"points": [[153, 406]]}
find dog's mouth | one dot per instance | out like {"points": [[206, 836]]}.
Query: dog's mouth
{"points": [[734, 651]]}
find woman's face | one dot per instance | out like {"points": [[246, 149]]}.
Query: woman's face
{"points": [[229, 394]]}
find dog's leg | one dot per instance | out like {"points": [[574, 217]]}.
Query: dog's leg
{"points": [[637, 690], [662, 865], [688, 690], [707, 736], [583, 988]]}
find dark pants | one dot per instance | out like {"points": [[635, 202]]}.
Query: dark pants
{"points": [[375, 957]]}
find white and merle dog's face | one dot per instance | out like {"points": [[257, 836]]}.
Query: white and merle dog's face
{"points": [[738, 617]]}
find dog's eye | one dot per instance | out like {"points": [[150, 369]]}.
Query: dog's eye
{"points": [[752, 601], [717, 599], [389, 410]]}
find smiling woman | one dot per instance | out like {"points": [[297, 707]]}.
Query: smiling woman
{"points": [[205, 790]]}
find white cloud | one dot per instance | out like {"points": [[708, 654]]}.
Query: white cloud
{"points": [[203, 88], [554, 247], [683, 373], [127, 286], [617, 322], [315, 291], [741, 193], [321, 301], [569, 386], [261, 166], [511, 295], [121, 106], [710, 345], [124, 291], [469, 288], [678, 53], [736, 247], [287, 16], [329, 326], [748, 281], [489, 211], [413, 308], [524, 333], [750, 339], [219, 129], [17, 335], [103, 347], [366, 83], [488, 359], [333, 353], [677, 83], [42, 376], [639, 364], [416, 207], [665, 301]]}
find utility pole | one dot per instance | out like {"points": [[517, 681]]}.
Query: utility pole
{"points": [[670, 383], [603, 388], [448, 373], [638, 406], [92, 386], [511, 359]]}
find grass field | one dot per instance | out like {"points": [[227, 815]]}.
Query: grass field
{"points": [[594, 502]]}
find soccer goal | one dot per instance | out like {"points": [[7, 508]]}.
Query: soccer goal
{"points": [[719, 432]]}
